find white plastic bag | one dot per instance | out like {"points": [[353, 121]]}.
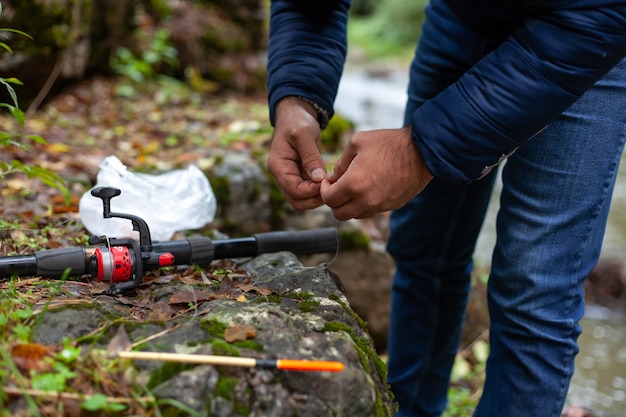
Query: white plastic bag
{"points": [[170, 202]]}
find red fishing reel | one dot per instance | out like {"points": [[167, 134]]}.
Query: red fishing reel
{"points": [[122, 260], [111, 264]]}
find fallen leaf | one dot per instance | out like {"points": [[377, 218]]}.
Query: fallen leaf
{"points": [[253, 287], [160, 312], [205, 279], [120, 342], [242, 298], [187, 297], [58, 148], [30, 356], [239, 332], [163, 279], [59, 205], [226, 285]]}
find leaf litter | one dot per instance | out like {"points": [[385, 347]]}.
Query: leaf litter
{"points": [[82, 126]]}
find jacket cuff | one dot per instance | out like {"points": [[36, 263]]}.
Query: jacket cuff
{"points": [[323, 115]]}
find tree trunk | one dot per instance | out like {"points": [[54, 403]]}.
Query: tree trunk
{"points": [[219, 40], [69, 39]]}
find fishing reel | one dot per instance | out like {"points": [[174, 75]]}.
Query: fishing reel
{"points": [[120, 262]]}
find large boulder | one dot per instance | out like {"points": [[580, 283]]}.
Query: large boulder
{"points": [[289, 310]]}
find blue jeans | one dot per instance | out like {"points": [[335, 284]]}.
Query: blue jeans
{"points": [[553, 210]]}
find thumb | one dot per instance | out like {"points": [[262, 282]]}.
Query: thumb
{"points": [[313, 164]]}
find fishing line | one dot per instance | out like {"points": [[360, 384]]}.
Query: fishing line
{"points": [[326, 264]]}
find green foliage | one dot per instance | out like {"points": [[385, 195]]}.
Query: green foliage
{"points": [[4, 45], [354, 238], [18, 140], [100, 402], [461, 403], [390, 31], [49, 27], [159, 55], [362, 7], [15, 315], [337, 127]]}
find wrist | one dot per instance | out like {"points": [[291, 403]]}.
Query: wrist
{"points": [[315, 110], [322, 114]]}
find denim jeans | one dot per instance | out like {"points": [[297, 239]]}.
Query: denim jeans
{"points": [[553, 209]]}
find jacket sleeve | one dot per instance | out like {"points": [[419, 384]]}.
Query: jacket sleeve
{"points": [[515, 91], [307, 50]]}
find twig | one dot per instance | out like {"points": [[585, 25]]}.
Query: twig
{"points": [[45, 89], [53, 395], [468, 349], [154, 336]]}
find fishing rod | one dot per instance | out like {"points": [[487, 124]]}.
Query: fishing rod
{"points": [[122, 262]]}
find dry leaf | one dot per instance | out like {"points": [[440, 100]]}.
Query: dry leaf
{"points": [[253, 287], [30, 356], [160, 312], [242, 298], [239, 332], [59, 205], [119, 342], [155, 279], [226, 285], [187, 297]]}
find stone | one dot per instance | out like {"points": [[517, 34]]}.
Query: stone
{"points": [[296, 312]]}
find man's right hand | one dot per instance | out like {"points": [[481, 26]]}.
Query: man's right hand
{"points": [[295, 159]]}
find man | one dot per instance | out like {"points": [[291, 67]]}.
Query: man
{"points": [[540, 84]]}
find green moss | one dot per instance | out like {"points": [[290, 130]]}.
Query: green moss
{"points": [[221, 188], [362, 324], [362, 344], [351, 239], [242, 409], [254, 195], [165, 372], [337, 127], [305, 301], [272, 298], [223, 348], [249, 344], [300, 296], [278, 204], [214, 327], [367, 356], [308, 306], [225, 387]]}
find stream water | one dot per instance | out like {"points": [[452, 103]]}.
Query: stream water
{"points": [[600, 379]]}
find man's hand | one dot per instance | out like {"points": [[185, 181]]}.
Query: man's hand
{"points": [[294, 158], [379, 170]]}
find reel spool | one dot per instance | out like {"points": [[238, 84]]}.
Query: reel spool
{"points": [[111, 264]]}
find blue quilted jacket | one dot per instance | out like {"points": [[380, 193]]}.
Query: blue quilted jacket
{"points": [[560, 49]]}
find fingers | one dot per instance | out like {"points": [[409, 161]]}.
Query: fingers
{"points": [[378, 171], [299, 191], [342, 164], [295, 160]]}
